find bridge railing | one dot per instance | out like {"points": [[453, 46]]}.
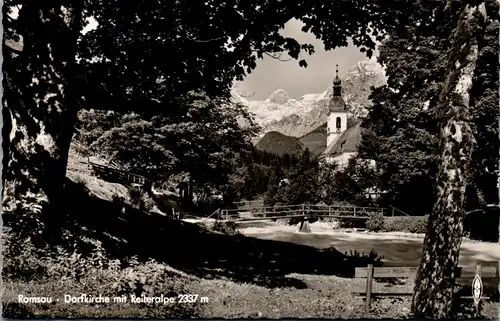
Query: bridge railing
{"points": [[282, 210], [249, 205], [306, 209]]}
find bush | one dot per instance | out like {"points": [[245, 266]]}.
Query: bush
{"points": [[375, 223], [362, 259], [229, 228], [482, 226], [136, 197], [60, 272], [407, 224], [21, 259], [352, 223]]}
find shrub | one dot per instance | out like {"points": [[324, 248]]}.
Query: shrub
{"points": [[65, 272], [482, 226], [147, 204], [229, 228], [21, 259], [352, 223], [136, 197], [407, 224], [118, 201], [362, 259], [375, 223]]}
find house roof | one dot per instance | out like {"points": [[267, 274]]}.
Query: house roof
{"points": [[347, 143]]}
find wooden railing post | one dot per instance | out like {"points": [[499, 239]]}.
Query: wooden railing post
{"points": [[369, 281], [354, 211]]}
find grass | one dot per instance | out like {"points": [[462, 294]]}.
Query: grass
{"points": [[304, 295], [320, 296], [137, 253]]}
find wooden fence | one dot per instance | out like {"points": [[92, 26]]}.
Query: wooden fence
{"points": [[289, 211], [117, 175], [467, 274]]}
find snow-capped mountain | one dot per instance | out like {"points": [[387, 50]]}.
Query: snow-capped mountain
{"points": [[277, 107], [296, 118]]}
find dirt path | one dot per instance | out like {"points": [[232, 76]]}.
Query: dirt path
{"points": [[397, 250]]}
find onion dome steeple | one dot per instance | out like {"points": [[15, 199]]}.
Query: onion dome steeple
{"points": [[337, 104], [337, 83]]}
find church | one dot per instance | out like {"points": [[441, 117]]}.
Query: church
{"points": [[343, 134]]}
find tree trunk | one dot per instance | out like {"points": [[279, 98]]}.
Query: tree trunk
{"points": [[42, 104], [433, 292]]}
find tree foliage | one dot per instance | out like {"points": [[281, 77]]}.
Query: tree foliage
{"points": [[353, 184], [200, 142], [148, 50], [401, 130], [303, 184], [258, 172]]}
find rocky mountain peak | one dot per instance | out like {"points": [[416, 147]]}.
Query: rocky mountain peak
{"points": [[280, 96], [299, 117]]}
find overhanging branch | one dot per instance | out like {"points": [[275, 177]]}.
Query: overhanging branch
{"points": [[277, 56]]}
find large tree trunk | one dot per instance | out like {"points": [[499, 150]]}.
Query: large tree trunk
{"points": [[433, 290], [42, 103]]}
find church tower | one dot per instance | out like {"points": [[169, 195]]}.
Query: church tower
{"points": [[337, 113]]}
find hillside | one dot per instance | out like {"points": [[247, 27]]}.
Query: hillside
{"points": [[277, 143], [297, 118], [315, 141]]}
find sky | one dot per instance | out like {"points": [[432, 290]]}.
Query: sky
{"points": [[271, 74]]}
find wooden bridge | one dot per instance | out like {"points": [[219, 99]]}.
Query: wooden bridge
{"points": [[257, 213]]}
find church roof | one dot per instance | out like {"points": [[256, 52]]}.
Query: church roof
{"points": [[347, 143], [336, 104]]}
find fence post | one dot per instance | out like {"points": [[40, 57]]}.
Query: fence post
{"points": [[392, 211], [369, 281], [354, 211]]}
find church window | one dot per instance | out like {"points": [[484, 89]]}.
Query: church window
{"points": [[338, 122]]}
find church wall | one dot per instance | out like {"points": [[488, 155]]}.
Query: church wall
{"points": [[333, 135], [332, 138], [342, 160]]}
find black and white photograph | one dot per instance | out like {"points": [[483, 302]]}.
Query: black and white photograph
{"points": [[250, 159]]}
